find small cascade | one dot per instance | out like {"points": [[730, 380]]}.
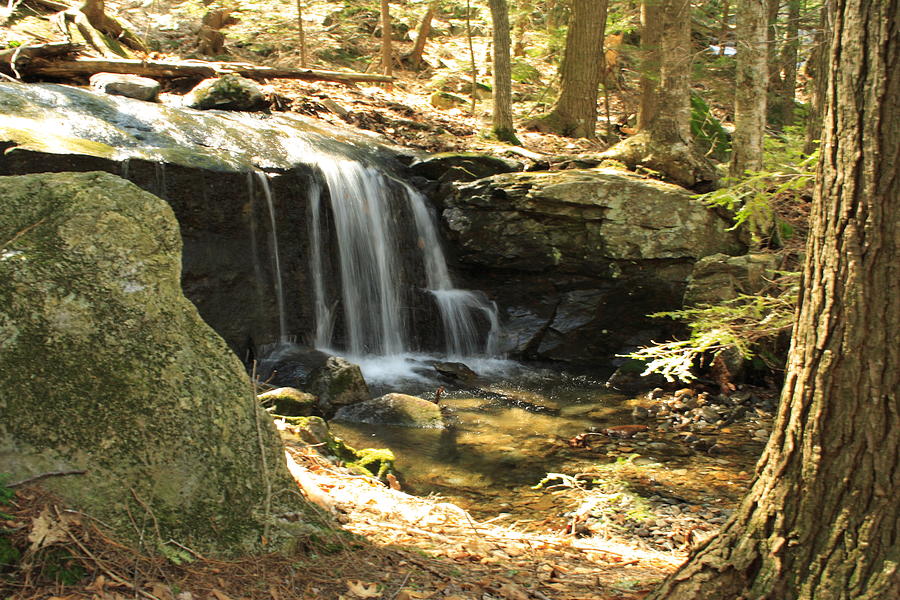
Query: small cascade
{"points": [[368, 210], [457, 307], [263, 180]]}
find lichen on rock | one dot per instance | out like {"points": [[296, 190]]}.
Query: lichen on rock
{"points": [[107, 367]]}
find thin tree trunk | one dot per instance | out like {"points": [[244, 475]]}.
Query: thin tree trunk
{"points": [[782, 111], [723, 28], [502, 115], [575, 111], [672, 124], [473, 70], [415, 57], [302, 32], [817, 71], [651, 35], [822, 520], [750, 87], [387, 62]]}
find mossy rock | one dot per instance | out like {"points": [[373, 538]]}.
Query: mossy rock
{"points": [[446, 100], [108, 368], [314, 432], [228, 92], [288, 402], [338, 383]]}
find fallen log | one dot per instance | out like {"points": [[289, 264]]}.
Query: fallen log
{"points": [[68, 68]]}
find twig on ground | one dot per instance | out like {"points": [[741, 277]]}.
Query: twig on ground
{"points": [[45, 475]]}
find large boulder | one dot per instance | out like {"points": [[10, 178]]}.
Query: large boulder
{"points": [[108, 368], [576, 259]]}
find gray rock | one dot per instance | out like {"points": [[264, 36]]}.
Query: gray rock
{"points": [[394, 409], [455, 371], [228, 92], [338, 383], [107, 367], [463, 166], [130, 86], [721, 277]]}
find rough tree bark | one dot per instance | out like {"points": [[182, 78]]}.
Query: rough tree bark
{"points": [[751, 81], [502, 117], [575, 112], [663, 142], [651, 34], [821, 520]]}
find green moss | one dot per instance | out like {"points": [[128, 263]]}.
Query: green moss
{"points": [[32, 136]]}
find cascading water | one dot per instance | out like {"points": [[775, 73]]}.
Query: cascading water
{"points": [[367, 209], [456, 306], [263, 180]]}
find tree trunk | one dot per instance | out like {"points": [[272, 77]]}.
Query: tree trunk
{"points": [[673, 124], [750, 87], [415, 57], [817, 73], [782, 112], [822, 520], [387, 63], [663, 141], [723, 28], [502, 120], [651, 34], [575, 112], [302, 34]]}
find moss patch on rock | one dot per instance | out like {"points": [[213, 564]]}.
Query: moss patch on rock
{"points": [[314, 432]]}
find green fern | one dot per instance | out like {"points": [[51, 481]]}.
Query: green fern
{"points": [[743, 324]]}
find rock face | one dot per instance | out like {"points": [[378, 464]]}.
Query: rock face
{"points": [[394, 409], [576, 259], [107, 367], [719, 277], [202, 163]]}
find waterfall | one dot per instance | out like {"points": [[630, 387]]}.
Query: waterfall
{"points": [[263, 180], [368, 209], [457, 307]]}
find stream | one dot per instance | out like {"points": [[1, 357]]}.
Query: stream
{"points": [[504, 438]]}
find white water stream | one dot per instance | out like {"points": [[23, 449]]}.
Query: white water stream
{"points": [[367, 208]]}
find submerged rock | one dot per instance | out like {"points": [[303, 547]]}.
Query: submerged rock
{"points": [[394, 409], [107, 367], [455, 371]]}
